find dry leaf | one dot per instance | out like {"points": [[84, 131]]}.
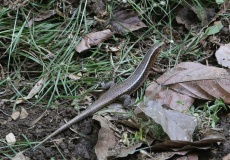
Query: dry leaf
{"points": [[107, 146], [125, 151], [183, 17], [203, 144], [191, 16], [226, 157], [23, 114], [106, 138], [75, 77], [223, 55], [20, 156], [126, 21], [204, 14], [97, 7], [42, 16], [15, 115], [198, 81], [37, 87], [192, 156], [93, 39], [178, 126], [168, 155], [168, 97], [115, 49], [10, 139]]}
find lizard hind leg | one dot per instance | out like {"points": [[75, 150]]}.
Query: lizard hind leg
{"points": [[126, 99]]}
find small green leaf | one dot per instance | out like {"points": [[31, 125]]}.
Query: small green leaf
{"points": [[214, 29], [219, 1]]}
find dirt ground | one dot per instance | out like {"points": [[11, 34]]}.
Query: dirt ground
{"points": [[78, 142], [70, 142], [72, 145]]}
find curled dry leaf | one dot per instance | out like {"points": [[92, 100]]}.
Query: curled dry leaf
{"points": [[125, 20], [93, 39], [223, 55], [209, 134], [203, 144], [10, 139], [198, 81], [107, 145], [106, 138], [178, 126]]}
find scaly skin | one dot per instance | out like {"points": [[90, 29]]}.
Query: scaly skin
{"points": [[131, 84]]}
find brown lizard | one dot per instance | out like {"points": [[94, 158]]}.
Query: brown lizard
{"points": [[118, 91]]}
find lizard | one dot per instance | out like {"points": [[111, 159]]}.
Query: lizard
{"points": [[118, 91]]}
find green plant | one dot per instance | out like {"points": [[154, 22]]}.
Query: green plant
{"points": [[208, 113]]}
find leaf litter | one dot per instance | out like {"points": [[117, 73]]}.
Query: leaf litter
{"points": [[223, 55], [198, 81], [123, 21], [182, 85]]}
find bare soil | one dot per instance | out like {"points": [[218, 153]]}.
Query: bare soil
{"points": [[77, 142], [78, 145]]}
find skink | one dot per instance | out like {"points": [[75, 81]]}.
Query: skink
{"points": [[130, 85]]}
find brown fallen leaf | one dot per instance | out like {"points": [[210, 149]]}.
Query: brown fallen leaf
{"points": [[42, 16], [97, 7], [223, 55], [125, 20], [168, 155], [183, 17], [168, 97], [125, 151], [108, 146], [203, 144], [198, 81], [204, 14], [93, 39], [178, 126], [223, 9], [106, 138], [191, 16]]}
